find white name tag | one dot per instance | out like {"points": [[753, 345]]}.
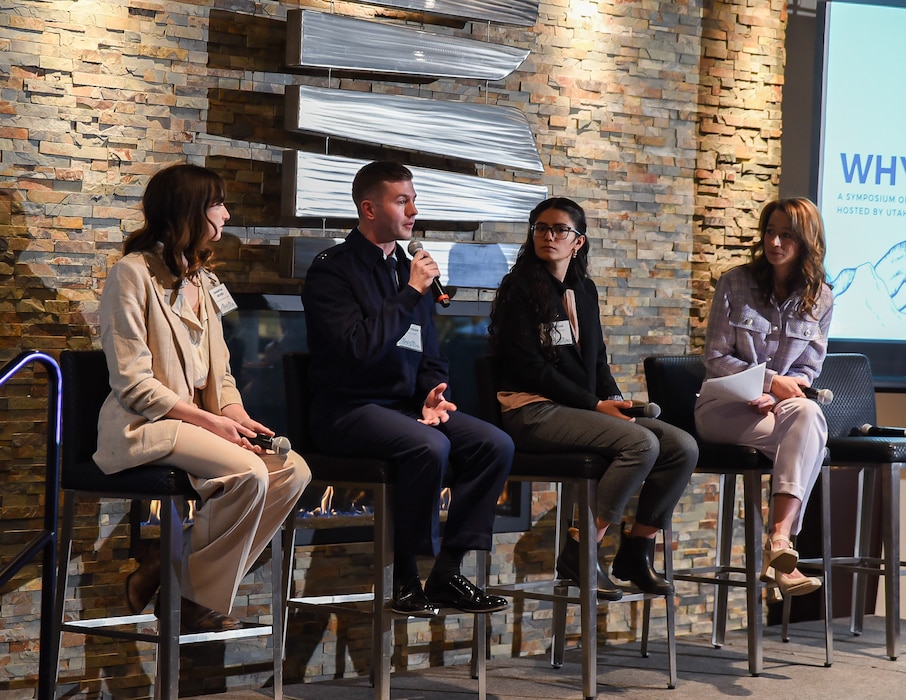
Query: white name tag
{"points": [[412, 340], [561, 333], [223, 300]]}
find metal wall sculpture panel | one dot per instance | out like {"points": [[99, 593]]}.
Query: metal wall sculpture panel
{"points": [[318, 186], [317, 39], [476, 132], [519, 12], [462, 265]]}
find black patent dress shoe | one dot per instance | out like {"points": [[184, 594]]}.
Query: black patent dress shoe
{"points": [[568, 567], [410, 599], [459, 592]]}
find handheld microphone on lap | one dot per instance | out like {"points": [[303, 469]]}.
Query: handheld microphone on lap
{"points": [[437, 289], [822, 396], [881, 431], [277, 443], [642, 410]]}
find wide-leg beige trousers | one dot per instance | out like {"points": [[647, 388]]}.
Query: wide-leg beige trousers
{"points": [[245, 499], [793, 435]]}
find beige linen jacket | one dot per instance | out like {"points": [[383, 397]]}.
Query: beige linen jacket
{"points": [[148, 354]]}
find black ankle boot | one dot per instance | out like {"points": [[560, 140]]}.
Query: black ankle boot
{"points": [[568, 567], [634, 563]]}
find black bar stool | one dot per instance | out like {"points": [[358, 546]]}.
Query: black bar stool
{"points": [[85, 386]]}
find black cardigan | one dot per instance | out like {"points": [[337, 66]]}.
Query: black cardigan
{"points": [[580, 376]]}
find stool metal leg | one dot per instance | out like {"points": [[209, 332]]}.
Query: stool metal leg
{"points": [[670, 600], [171, 510], [864, 519], [826, 569], [62, 577], [382, 636], [754, 526], [565, 507], [289, 564], [727, 501], [588, 595], [558, 623], [891, 527], [480, 631], [278, 600]]}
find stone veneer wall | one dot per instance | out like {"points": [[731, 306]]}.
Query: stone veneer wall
{"points": [[663, 119]]}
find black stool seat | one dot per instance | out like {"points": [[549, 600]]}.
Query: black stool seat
{"points": [[867, 449], [159, 480], [565, 465], [733, 459], [336, 469]]}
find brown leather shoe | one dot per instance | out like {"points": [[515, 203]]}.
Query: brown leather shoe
{"points": [[195, 618], [142, 584]]}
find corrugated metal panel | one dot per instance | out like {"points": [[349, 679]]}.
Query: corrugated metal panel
{"points": [[476, 132], [319, 186], [519, 12], [317, 39]]}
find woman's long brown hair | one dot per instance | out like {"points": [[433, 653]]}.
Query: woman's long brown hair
{"points": [[808, 230], [175, 204]]}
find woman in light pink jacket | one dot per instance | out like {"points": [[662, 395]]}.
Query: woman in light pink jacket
{"points": [[173, 399]]}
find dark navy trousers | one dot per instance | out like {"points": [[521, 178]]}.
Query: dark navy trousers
{"points": [[469, 455]]}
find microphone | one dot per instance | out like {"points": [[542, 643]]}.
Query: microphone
{"points": [[822, 396], [882, 431], [437, 289], [642, 410], [277, 443]]}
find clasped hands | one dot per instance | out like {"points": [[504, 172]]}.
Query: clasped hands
{"points": [[782, 387]]}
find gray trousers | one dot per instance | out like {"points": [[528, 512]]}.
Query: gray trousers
{"points": [[646, 454]]}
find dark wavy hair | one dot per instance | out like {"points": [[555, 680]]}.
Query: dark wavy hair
{"points": [[808, 230], [175, 205], [531, 270]]}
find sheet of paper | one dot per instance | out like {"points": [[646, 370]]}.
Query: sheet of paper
{"points": [[742, 386]]}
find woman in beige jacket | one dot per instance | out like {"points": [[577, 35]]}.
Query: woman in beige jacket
{"points": [[173, 399]]}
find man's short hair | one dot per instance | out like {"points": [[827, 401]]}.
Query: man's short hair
{"points": [[374, 174]]}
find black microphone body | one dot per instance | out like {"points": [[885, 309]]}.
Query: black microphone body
{"points": [[822, 396], [437, 289], [882, 431], [642, 410], [277, 443]]}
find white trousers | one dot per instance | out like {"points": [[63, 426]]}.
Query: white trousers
{"points": [[245, 499], [793, 435]]}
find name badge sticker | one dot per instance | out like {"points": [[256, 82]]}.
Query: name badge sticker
{"points": [[561, 333], [412, 340], [223, 300]]}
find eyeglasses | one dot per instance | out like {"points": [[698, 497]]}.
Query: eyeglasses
{"points": [[560, 231]]}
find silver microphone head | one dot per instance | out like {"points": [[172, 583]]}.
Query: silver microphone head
{"points": [[866, 428], [825, 396], [652, 410], [281, 445], [415, 245]]}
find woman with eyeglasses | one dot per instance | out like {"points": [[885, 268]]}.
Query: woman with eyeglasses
{"points": [[556, 392]]}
